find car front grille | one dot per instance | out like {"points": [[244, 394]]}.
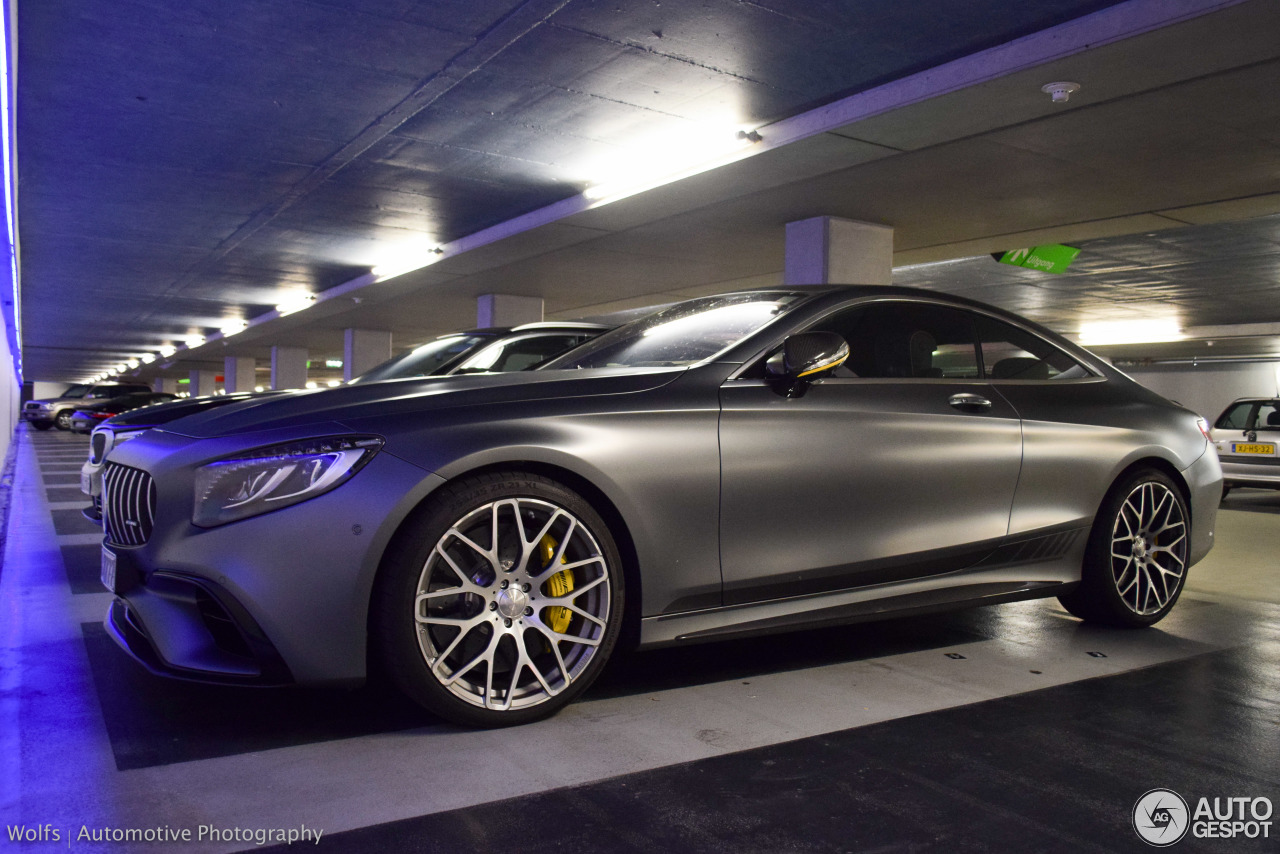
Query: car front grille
{"points": [[128, 504], [99, 443]]}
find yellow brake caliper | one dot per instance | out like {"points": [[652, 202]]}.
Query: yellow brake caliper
{"points": [[557, 585]]}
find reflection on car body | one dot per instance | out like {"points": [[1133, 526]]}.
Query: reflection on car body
{"points": [[746, 463], [490, 349]]}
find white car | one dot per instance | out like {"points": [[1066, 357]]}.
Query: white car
{"points": [[1247, 435]]}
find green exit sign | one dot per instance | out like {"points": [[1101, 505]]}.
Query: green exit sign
{"points": [[1051, 258]]}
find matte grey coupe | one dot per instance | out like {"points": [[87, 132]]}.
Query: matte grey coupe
{"points": [[745, 463]]}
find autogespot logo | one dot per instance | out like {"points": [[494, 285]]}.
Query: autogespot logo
{"points": [[1160, 817]]}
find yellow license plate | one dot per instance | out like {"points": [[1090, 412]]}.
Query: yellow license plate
{"points": [[1241, 448]]}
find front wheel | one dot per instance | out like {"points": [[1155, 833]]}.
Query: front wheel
{"points": [[1136, 562], [501, 601], [63, 420], [41, 425]]}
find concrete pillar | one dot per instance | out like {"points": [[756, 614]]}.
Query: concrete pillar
{"points": [[362, 349], [507, 310], [827, 250], [288, 367], [164, 385], [203, 383], [239, 373]]}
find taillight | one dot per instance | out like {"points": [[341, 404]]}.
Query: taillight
{"points": [[1204, 428]]}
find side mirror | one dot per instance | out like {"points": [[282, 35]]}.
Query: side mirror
{"points": [[803, 358]]}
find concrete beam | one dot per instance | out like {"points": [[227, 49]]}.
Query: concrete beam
{"points": [[828, 250], [507, 310], [363, 349], [203, 383], [239, 373], [288, 367]]}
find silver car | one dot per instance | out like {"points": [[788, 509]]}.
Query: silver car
{"points": [[740, 464], [1247, 435]]}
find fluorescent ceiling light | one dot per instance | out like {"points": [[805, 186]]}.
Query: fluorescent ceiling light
{"points": [[234, 327], [120, 368], [652, 161], [194, 340], [133, 364], [166, 351], [1130, 332], [147, 358], [295, 304], [334, 383], [405, 259]]}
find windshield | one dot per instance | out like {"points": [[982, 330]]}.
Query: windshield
{"points": [[429, 359], [521, 354], [76, 391], [684, 334]]}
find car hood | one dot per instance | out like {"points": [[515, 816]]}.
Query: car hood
{"points": [[163, 413], [395, 397]]}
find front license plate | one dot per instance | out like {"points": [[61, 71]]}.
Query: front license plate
{"points": [[109, 569], [1242, 448]]}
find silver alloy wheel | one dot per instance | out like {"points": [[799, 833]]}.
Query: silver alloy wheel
{"points": [[1149, 548], [512, 603]]}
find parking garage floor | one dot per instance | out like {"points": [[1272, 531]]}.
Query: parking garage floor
{"points": [[1010, 727]]}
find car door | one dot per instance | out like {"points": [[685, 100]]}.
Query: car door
{"points": [[900, 465]]}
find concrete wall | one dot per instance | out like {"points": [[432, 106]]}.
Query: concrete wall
{"points": [[1208, 388]]}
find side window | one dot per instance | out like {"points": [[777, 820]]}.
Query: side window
{"points": [[1268, 417], [905, 339], [1009, 353], [1236, 417]]}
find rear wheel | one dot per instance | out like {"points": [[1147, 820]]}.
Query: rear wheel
{"points": [[1136, 562], [502, 601]]}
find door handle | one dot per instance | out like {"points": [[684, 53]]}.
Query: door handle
{"points": [[970, 402]]}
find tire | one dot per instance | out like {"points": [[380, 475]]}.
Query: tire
{"points": [[495, 636], [63, 419], [1135, 564], [41, 425]]}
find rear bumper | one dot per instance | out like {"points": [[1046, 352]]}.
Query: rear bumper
{"points": [[1265, 475], [1204, 480]]}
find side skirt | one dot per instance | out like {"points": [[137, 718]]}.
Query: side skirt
{"points": [[967, 588]]}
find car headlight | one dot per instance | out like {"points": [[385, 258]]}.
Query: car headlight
{"points": [[267, 479]]}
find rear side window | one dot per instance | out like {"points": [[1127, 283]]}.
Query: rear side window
{"points": [[1268, 417], [905, 340], [1236, 417], [1010, 353]]}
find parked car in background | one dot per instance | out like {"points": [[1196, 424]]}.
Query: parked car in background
{"points": [[1247, 435], [57, 411], [746, 463], [90, 415]]}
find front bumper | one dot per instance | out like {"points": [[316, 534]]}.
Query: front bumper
{"points": [[192, 630], [37, 415], [279, 597]]}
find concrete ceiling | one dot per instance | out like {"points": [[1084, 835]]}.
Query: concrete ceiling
{"points": [[182, 165]]}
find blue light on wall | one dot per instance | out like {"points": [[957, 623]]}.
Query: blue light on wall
{"points": [[9, 249]]}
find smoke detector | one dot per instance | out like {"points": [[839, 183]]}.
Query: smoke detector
{"points": [[1061, 91]]}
